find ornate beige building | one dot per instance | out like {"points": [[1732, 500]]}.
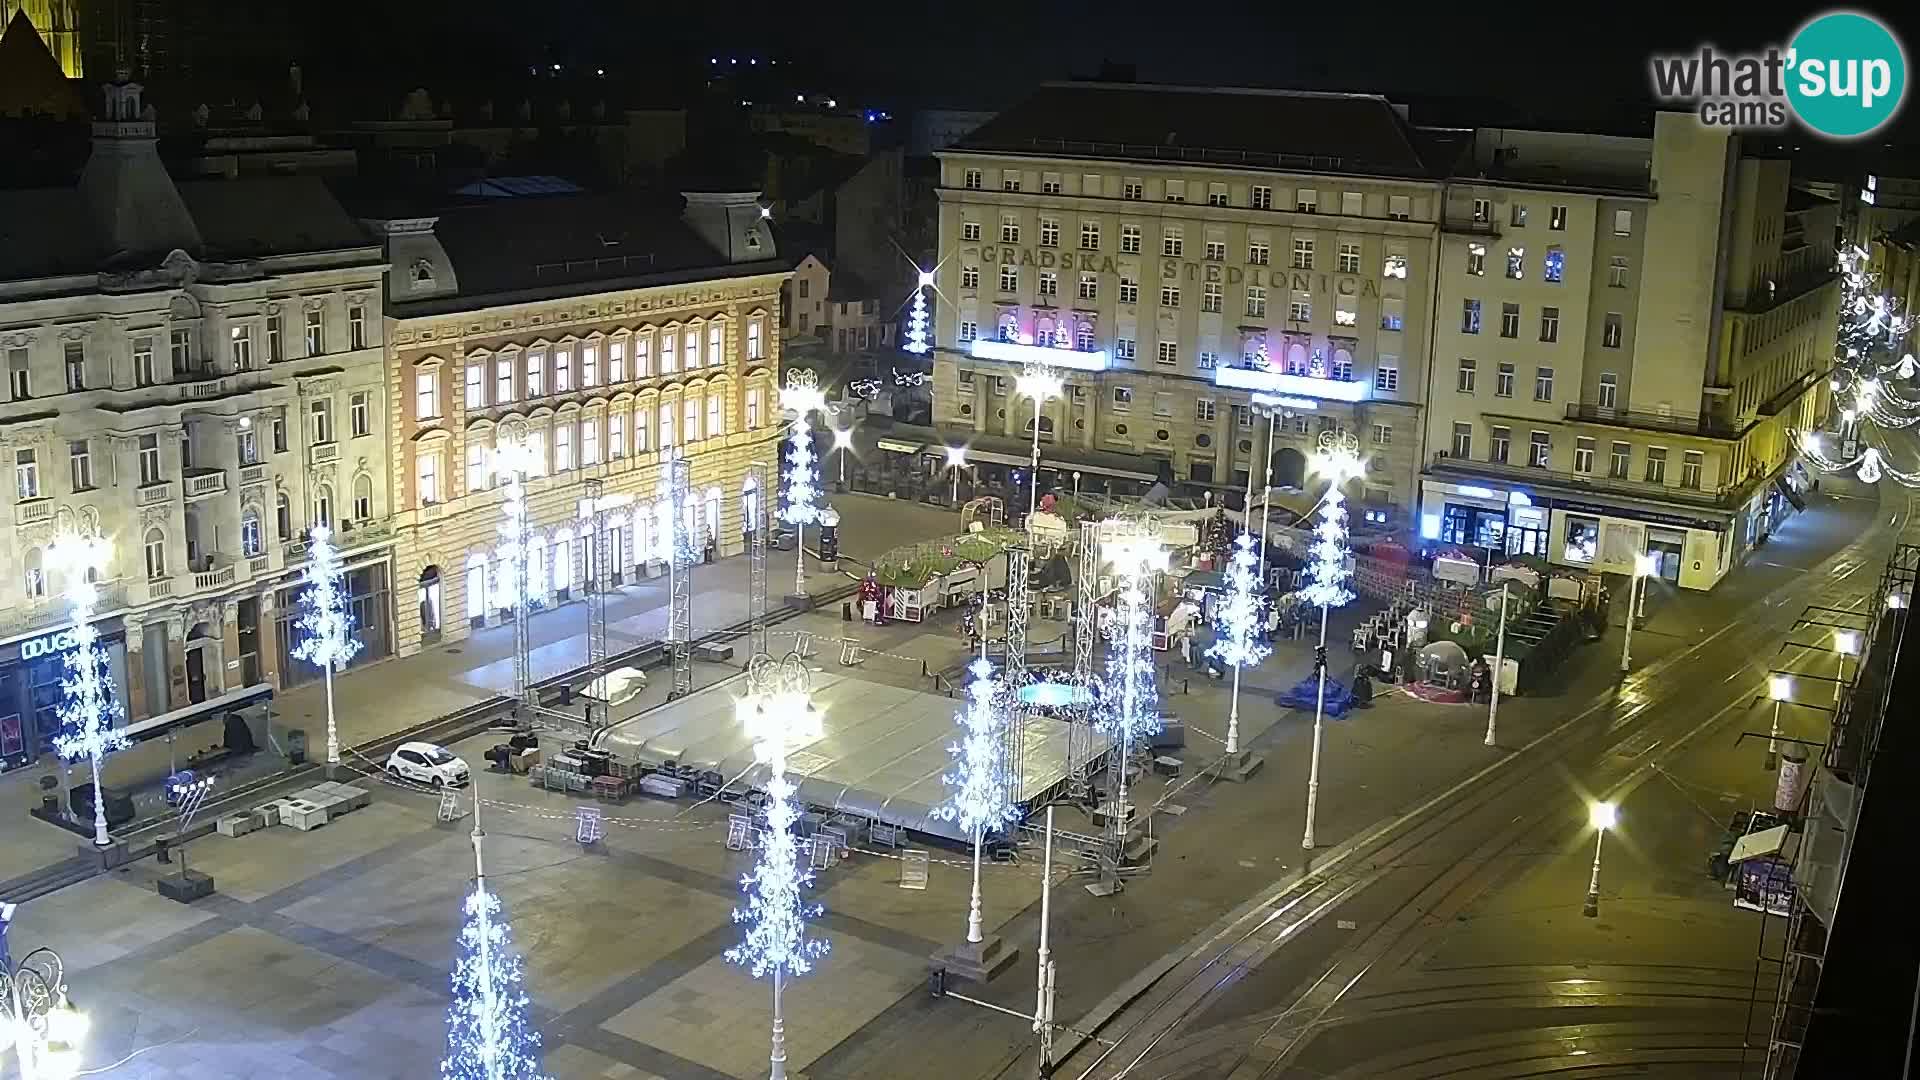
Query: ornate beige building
{"points": [[193, 369], [602, 332]]}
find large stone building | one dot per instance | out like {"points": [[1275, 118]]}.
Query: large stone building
{"points": [[601, 331], [1627, 331], [1176, 250], [193, 369]]}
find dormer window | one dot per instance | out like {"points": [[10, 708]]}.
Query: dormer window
{"points": [[753, 239], [422, 273]]}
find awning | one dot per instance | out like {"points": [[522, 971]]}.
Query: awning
{"points": [[898, 447], [1786, 489], [157, 726], [1017, 460], [1755, 845], [1103, 470]]}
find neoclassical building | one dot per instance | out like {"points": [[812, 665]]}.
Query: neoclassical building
{"points": [[193, 370], [599, 331]]}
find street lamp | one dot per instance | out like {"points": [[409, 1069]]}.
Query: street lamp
{"points": [[956, 460], [1038, 382], [41, 1023], [1845, 643], [1499, 666], [1338, 459], [1780, 689], [843, 442], [1603, 816], [1643, 567]]}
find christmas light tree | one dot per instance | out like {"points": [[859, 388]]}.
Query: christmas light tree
{"points": [[801, 396], [1338, 459], [917, 342], [1237, 617], [325, 624], [980, 802], [89, 715], [489, 1036], [1131, 708]]}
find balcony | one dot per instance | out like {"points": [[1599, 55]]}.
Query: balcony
{"points": [[1269, 380], [155, 493], [325, 453], [259, 564], [159, 588], [253, 474], [1469, 225], [34, 512], [1723, 498], [200, 483], [1706, 426], [52, 610], [215, 575]]}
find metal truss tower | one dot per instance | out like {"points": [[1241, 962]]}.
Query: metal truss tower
{"points": [[680, 576], [599, 584], [1016, 669], [1086, 638]]}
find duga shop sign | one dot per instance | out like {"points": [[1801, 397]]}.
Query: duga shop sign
{"points": [[48, 644]]}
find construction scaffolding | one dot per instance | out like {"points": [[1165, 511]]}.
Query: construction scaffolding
{"points": [[756, 523], [1016, 668], [1086, 636], [596, 509], [680, 560]]}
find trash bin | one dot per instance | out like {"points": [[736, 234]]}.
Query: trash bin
{"points": [[296, 746]]}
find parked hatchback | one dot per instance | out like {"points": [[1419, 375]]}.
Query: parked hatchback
{"points": [[426, 763]]}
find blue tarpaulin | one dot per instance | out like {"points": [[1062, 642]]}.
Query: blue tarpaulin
{"points": [[1303, 693]]}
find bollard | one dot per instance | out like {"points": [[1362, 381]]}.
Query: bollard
{"points": [[846, 612]]}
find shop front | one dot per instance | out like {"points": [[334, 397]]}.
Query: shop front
{"points": [[371, 605], [31, 673]]}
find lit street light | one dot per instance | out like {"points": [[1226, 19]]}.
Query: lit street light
{"points": [[1039, 383], [956, 460], [1603, 816], [1780, 689], [41, 1024], [1845, 643], [1643, 567], [843, 442]]}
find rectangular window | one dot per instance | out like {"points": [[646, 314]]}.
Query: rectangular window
{"points": [[1518, 215], [476, 384], [1306, 201], [617, 355], [1468, 370], [1212, 296], [1163, 405], [1341, 370], [1543, 384], [1383, 434], [562, 447], [1172, 242], [1583, 455], [1483, 210], [1133, 190], [427, 476], [1656, 464], [240, 347], [1349, 257], [1090, 185], [1125, 348], [1009, 278], [1557, 219], [1216, 194], [1509, 320], [1261, 198], [536, 373], [1502, 440], [971, 180], [1554, 267], [1050, 184], [690, 416], [590, 440], [1399, 207], [1089, 287], [1609, 389], [76, 365], [280, 430], [616, 435], [143, 370], [716, 416], [1503, 381], [1352, 204], [179, 349], [1540, 450], [1300, 310], [1470, 316], [756, 339], [1477, 259], [357, 327], [641, 415], [276, 333], [149, 460], [1692, 464], [1610, 331], [1259, 254], [1009, 229], [1090, 236], [1256, 302], [1049, 232], [477, 474], [320, 415], [1206, 361], [1169, 296], [1623, 223], [1176, 191], [1462, 440], [589, 365], [1049, 283], [316, 333], [1203, 410], [1344, 314], [969, 231], [1169, 353], [426, 395], [1302, 253], [1129, 291], [80, 463], [969, 330], [503, 380], [1617, 272], [359, 410], [1620, 461], [1386, 374], [26, 474], [1122, 398], [537, 456], [1549, 324], [1216, 251], [1129, 239], [1009, 180], [563, 368], [969, 277]]}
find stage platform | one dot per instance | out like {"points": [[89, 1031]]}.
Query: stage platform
{"points": [[881, 755]]}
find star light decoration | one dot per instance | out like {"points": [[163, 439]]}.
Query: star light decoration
{"points": [[779, 712], [1238, 616], [325, 624], [917, 342], [1338, 460], [802, 395], [488, 1034], [980, 801], [89, 715]]}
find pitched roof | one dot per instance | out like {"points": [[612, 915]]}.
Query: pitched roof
{"points": [[1286, 129], [269, 215], [46, 232], [31, 81]]}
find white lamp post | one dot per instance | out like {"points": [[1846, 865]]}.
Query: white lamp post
{"points": [[1643, 567], [956, 460], [1780, 689], [843, 442], [1603, 816], [1499, 666], [1338, 459], [1038, 382]]}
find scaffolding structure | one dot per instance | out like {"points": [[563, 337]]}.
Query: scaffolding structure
{"points": [[756, 523], [1086, 636], [509, 464], [680, 560], [597, 508], [1018, 608]]}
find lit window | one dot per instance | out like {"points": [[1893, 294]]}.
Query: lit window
{"points": [[1554, 265], [1477, 259], [1516, 262], [426, 395]]}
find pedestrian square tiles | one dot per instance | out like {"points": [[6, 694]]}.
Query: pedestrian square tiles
{"points": [[265, 861]]}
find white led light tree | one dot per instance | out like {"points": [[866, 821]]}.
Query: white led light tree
{"points": [[1131, 706], [917, 342], [1338, 459], [325, 624], [778, 713], [89, 715], [801, 396], [980, 801], [489, 1035], [1237, 618]]}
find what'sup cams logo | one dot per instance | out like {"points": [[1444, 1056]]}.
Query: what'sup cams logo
{"points": [[1844, 75]]}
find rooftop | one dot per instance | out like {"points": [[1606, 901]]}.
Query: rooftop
{"points": [[1362, 134]]}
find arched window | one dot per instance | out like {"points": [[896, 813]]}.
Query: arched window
{"points": [[1296, 359], [252, 541], [156, 549], [713, 515], [562, 559], [36, 573], [363, 498], [282, 517], [323, 505]]}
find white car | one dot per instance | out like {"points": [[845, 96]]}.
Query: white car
{"points": [[426, 763]]}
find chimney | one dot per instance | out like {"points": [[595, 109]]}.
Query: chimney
{"points": [[732, 223], [133, 203]]}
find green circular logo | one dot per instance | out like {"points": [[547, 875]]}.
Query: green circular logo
{"points": [[1847, 74]]}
